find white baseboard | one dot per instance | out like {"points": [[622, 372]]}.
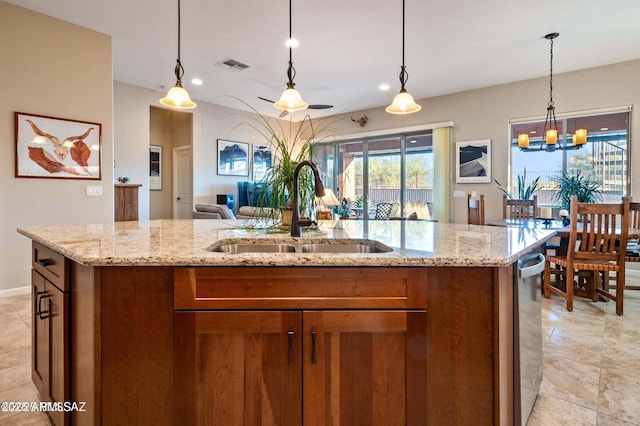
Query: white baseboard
{"points": [[15, 291]]}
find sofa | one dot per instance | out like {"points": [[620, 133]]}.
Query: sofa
{"points": [[250, 212], [221, 211], [212, 211]]}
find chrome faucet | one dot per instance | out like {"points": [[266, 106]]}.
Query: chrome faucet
{"points": [[296, 220]]}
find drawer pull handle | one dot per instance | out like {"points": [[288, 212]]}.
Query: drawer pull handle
{"points": [[46, 262], [314, 359], [42, 314], [290, 335]]}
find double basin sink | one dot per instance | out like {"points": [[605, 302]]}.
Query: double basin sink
{"points": [[340, 246]]}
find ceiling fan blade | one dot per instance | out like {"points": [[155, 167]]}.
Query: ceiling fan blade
{"points": [[265, 99], [320, 106]]}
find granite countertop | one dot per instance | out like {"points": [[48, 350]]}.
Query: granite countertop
{"points": [[185, 243]]}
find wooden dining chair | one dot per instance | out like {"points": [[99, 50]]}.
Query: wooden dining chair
{"points": [[632, 253], [597, 245], [475, 210], [519, 209]]}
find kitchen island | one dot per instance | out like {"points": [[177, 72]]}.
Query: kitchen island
{"points": [[147, 324]]}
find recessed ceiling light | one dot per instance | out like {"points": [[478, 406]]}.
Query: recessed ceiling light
{"points": [[533, 132], [292, 42], [196, 82], [383, 86], [413, 141], [604, 129]]}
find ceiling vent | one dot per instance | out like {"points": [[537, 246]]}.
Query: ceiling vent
{"points": [[232, 65]]}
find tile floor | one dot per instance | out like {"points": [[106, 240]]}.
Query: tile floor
{"points": [[591, 363]]}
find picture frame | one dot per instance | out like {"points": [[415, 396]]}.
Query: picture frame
{"points": [[155, 168], [233, 158], [262, 160], [473, 161], [57, 148]]}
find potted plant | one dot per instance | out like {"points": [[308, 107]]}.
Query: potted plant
{"points": [[525, 192], [578, 184], [343, 210], [289, 147]]}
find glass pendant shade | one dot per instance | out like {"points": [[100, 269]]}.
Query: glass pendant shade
{"points": [[177, 97], [580, 138], [523, 140], [291, 100], [403, 103], [551, 136]]}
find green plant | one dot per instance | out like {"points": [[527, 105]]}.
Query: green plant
{"points": [[289, 146], [577, 184], [525, 192], [343, 209]]}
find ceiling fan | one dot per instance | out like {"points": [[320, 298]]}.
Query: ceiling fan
{"points": [[285, 112]]}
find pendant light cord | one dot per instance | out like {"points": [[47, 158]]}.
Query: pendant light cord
{"points": [[179, 69], [404, 76], [291, 71], [551, 74]]}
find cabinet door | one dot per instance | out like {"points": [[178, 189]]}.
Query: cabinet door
{"points": [[365, 367], [40, 338], [238, 368], [50, 371]]}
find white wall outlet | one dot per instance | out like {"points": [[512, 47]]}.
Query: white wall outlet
{"points": [[459, 194], [94, 191]]}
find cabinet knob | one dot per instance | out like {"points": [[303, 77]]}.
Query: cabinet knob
{"points": [[45, 262]]}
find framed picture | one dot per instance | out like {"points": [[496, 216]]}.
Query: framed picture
{"points": [[59, 148], [233, 158], [155, 168], [473, 161], [262, 158]]}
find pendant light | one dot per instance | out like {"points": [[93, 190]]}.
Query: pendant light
{"points": [[549, 140], [291, 100], [550, 131], [403, 102], [177, 97]]}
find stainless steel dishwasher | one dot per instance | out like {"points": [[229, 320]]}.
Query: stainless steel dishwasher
{"points": [[527, 330]]}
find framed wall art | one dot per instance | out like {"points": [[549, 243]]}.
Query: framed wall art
{"points": [[59, 148], [262, 160], [473, 161], [233, 158], [155, 168]]}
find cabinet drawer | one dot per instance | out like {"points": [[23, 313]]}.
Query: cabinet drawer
{"points": [[53, 266], [299, 288]]}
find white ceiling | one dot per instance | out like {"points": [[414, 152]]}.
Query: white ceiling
{"points": [[349, 47]]}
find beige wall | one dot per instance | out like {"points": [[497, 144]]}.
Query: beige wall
{"points": [[53, 68], [485, 113]]}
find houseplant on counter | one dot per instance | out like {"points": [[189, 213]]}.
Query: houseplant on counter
{"points": [[343, 210], [288, 148]]}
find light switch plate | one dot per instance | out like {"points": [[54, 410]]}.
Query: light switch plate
{"points": [[459, 194], [94, 191]]}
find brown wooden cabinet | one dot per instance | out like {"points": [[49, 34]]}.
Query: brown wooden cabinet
{"points": [[126, 201], [307, 366], [50, 319]]}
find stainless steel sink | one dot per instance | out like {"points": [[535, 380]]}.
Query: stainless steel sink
{"points": [[324, 246], [344, 248], [254, 248]]}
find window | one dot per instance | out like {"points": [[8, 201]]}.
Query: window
{"points": [[603, 158], [395, 169]]}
